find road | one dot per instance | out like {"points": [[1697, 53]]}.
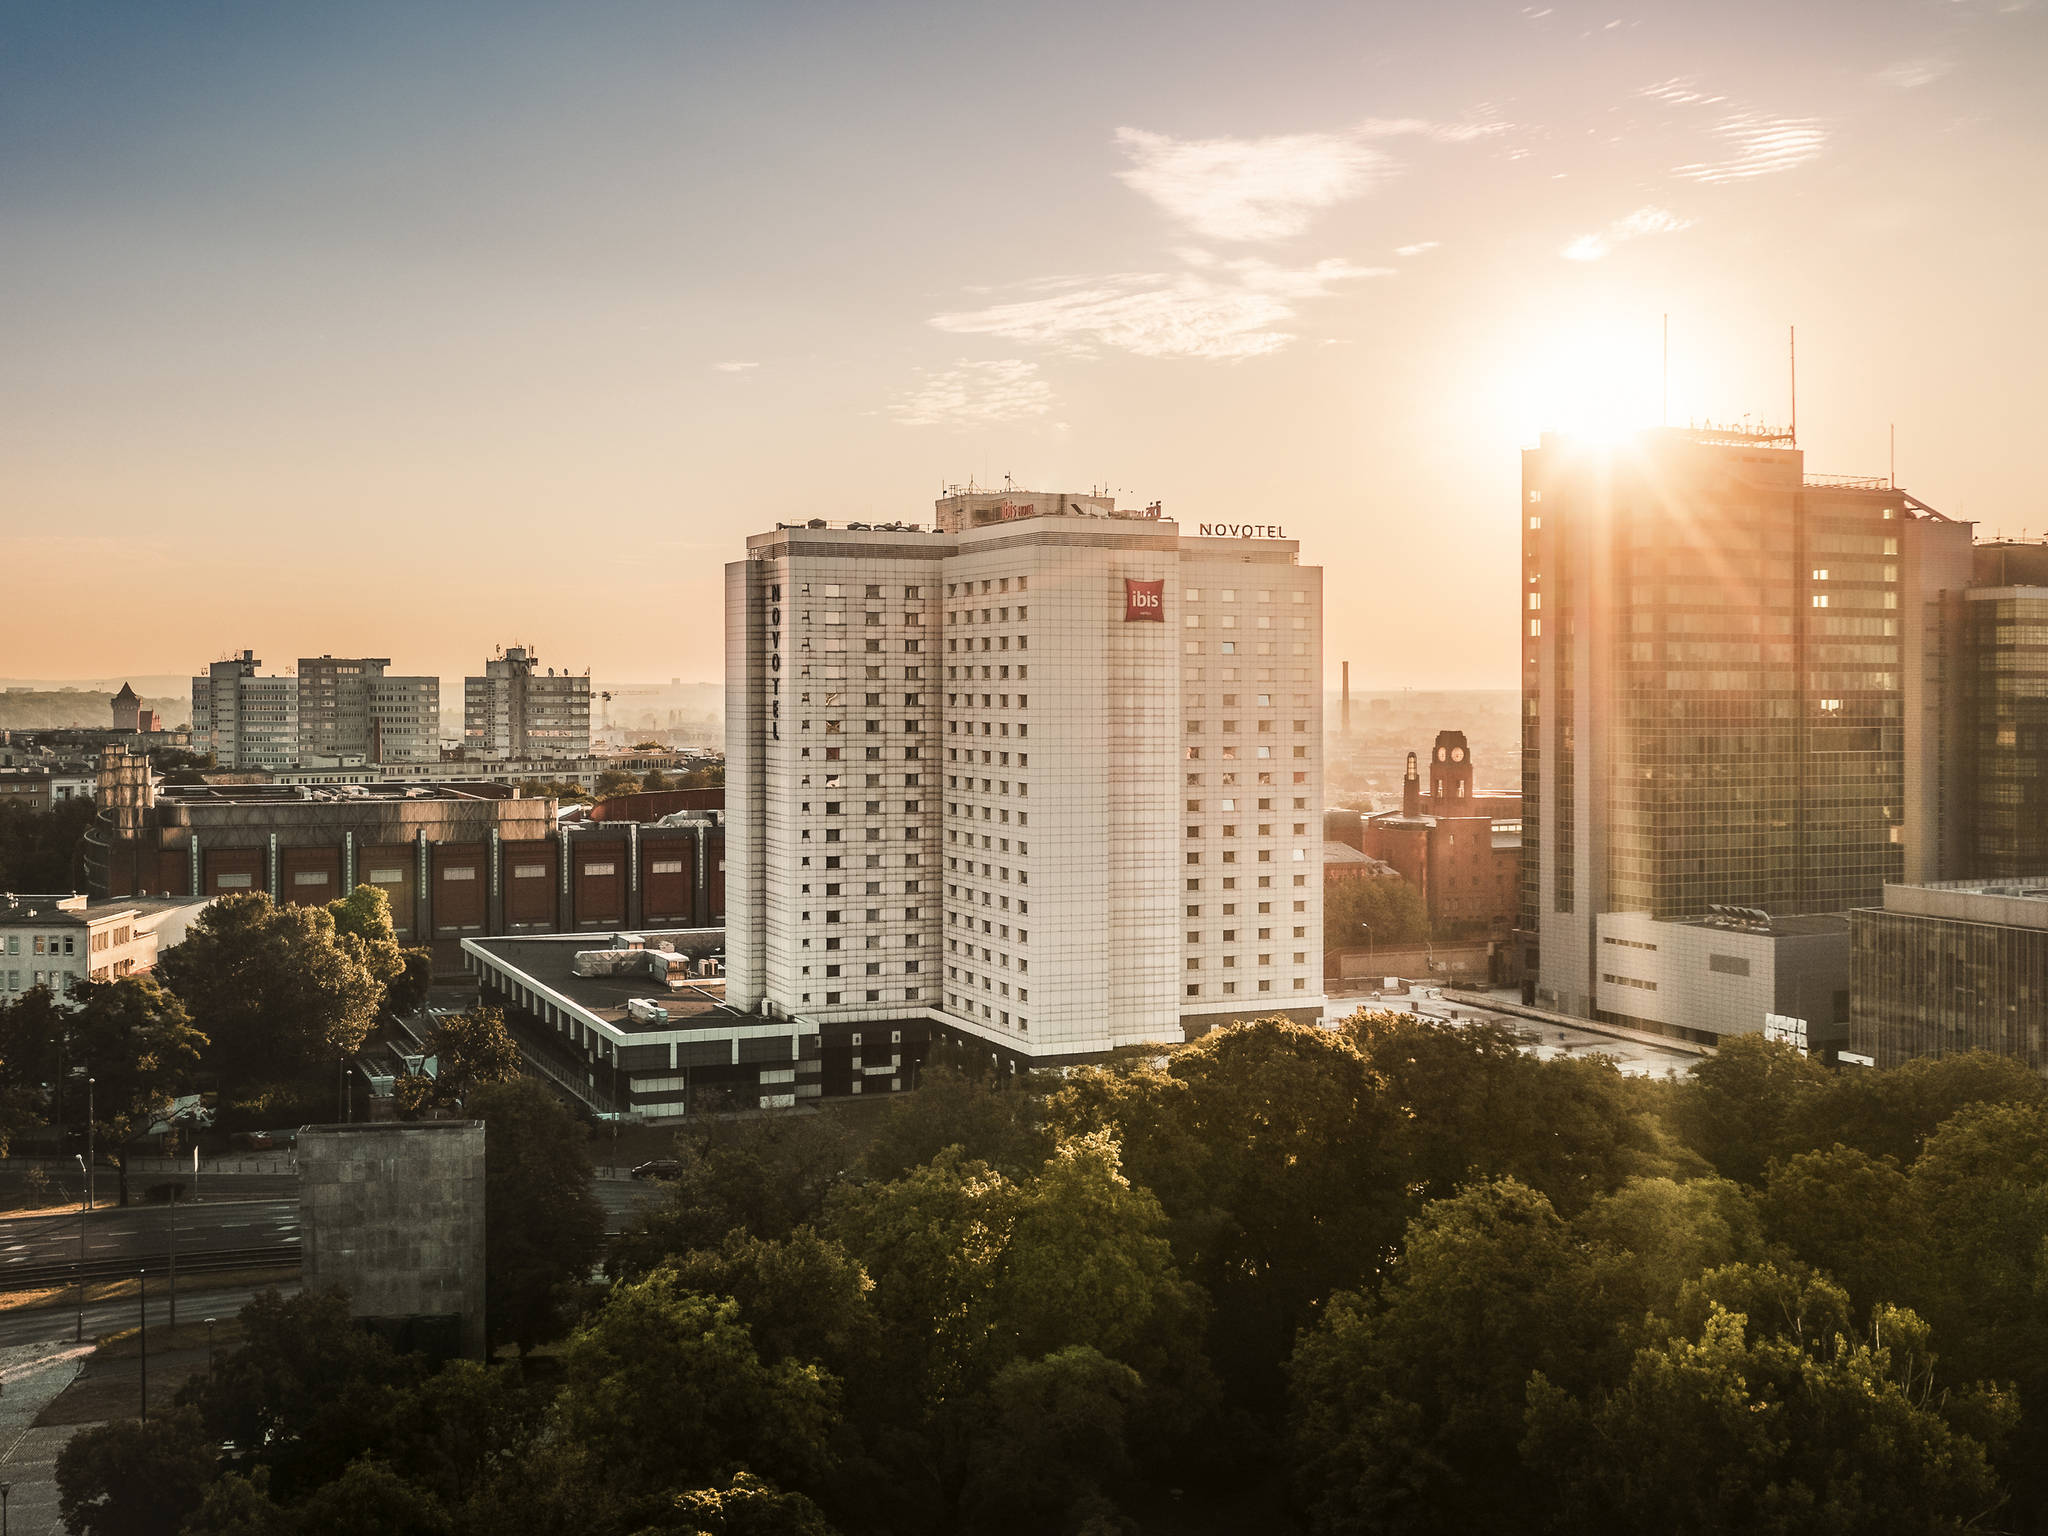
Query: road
{"points": [[1632, 1058], [45, 1324], [226, 1221]]}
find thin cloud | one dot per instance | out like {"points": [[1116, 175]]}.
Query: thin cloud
{"points": [[1249, 189], [734, 367], [1911, 74], [1242, 309], [1416, 249], [1648, 220], [976, 395], [1422, 127], [1760, 144], [1682, 91], [1266, 189]]}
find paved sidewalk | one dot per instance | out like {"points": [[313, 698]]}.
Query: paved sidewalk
{"points": [[33, 1375]]}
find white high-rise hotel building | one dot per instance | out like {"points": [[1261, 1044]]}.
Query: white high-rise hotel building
{"points": [[1048, 775]]}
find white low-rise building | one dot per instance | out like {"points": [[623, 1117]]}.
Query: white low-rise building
{"points": [[61, 941]]}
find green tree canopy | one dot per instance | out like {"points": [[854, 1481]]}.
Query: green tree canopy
{"points": [[1469, 1102], [745, 1505], [934, 1242], [126, 1478], [1851, 1215], [363, 925], [276, 990], [542, 1225], [1747, 1103], [140, 1048], [1406, 1402], [33, 1057], [765, 1177], [1741, 1428], [1051, 1445], [306, 1393], [804, 1297], [1394, 909], [663, 1389], [471, 1050]]}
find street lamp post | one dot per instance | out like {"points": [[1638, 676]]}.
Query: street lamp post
{"points": [[174, 1258], [83, 1180], [209, 1358], [1368, 943], [88, 1143], [5, 1489], [142, 1304]]}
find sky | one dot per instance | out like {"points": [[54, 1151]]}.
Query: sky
{"points": [[414, 329]]}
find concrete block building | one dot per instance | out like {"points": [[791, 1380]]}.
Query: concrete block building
{"points": [[1045, 776], [349, 709], [516, 710], [395, 1214], [1951, 966]]}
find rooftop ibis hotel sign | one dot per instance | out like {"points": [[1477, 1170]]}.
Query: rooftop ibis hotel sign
{"points": [[1144, 601]]}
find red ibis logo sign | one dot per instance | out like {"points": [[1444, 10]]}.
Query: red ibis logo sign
{"points": [[1144, 601]]}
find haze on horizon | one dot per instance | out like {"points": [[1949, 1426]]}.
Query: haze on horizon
{"points": [[409, 330]]}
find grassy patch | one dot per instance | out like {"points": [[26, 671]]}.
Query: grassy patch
{"points": [[127, 1343], [159, 1285]]}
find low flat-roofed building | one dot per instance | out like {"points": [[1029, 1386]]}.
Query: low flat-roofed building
{"points": [[1955, 966], [1342, 862], [455, 860], [1734, 971], [59, 941], [633, 1043], [28, 788]]}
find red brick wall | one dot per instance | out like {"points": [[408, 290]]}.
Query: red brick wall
{"points": [[651, 806], [597, 881], [232, 863], [293, 862], [1465, 877], [382, 857], [667, 896], [461, 888], [1406, 847], [530, 899]]}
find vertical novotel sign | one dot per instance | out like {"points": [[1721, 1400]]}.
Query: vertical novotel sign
{"points": [[1144, 601]]}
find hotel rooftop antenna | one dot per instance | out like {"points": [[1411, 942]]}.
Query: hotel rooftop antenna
{"points": [[1893, 477], [1792, 346], [1664, 415]]}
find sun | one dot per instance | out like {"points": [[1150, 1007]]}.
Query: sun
{"points": [[1592, 379]]}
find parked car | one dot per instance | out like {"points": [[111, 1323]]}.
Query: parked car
{"points": [[659, 1168]]}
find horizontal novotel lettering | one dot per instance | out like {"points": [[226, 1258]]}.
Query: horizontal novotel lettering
{"points": [[1242, 531]]}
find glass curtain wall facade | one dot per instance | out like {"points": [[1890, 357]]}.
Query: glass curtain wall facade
{"points": [[1711, 689], [2006, 692], [1932, 986]]}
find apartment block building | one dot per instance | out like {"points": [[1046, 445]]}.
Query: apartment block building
{"points": [[243, 719], [333, 711], [515, 710], [350, 709], [1046, 775]]}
